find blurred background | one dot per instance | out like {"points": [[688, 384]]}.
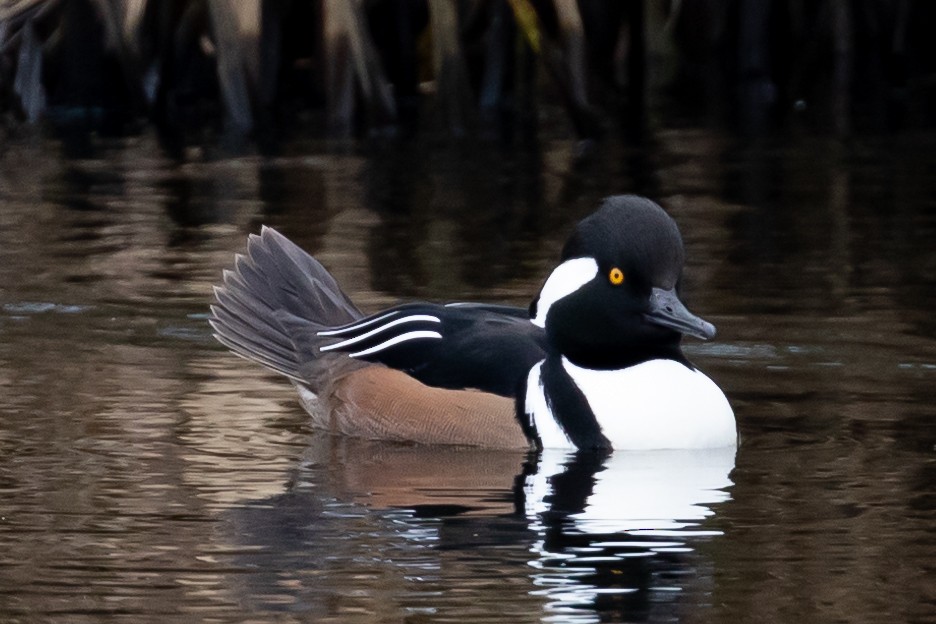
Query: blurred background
{"points": [[468, 68], [442, 150]]}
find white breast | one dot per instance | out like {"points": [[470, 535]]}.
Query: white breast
{"points": [[660, 404]]}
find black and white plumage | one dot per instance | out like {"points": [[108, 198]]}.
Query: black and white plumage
{"points": [[595, 363], [485, 347]]}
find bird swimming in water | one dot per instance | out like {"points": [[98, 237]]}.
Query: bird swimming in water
{"points": [[595, 363]]}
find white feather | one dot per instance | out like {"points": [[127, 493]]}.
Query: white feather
{"points": [[355, 327], [660, 404], [562, 282], [406, 319], [415, 335]]}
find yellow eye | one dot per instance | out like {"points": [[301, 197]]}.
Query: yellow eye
{"points": [[616, 276]]}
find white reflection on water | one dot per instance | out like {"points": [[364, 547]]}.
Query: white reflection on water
{"points": [[640, 492], [591, 516]]}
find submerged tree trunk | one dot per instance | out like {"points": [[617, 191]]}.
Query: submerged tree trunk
{"points": [[497, 60], [451, 75], [232, 67], [573, 44], [842, 64], [555, 60], [350, 55], [757, 88], [339, 69], [269, 52], [120, 18], [28, 82], [635, 121]]}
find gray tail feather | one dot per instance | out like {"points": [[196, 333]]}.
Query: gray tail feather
{"points": [[272, 304]]}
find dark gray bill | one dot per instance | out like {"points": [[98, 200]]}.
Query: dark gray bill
{"points": [[668, 311]]}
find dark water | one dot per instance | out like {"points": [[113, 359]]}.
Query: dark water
{"points": [[148, 476]]}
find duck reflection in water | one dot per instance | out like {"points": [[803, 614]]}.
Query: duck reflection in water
{"points": [[568, 536], [615, 530]]}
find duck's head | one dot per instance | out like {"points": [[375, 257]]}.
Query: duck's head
{"points": [[614, 300]]}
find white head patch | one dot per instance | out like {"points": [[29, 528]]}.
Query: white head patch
{"points": [[563, 281]]}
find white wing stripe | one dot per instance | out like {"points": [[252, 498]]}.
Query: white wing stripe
{"points": [[416, 335], [346, 330], [406, 319]]}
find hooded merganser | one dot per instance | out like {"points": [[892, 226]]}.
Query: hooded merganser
{"points": [[595, 363]]}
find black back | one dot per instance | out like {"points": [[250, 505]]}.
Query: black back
{"points": [[484, 347]]}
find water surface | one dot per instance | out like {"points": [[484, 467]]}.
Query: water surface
{"points": [[146, 475]]}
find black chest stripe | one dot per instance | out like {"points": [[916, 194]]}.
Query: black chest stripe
{"points": [[570, 408]]}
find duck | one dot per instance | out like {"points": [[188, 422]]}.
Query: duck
{"points": [[594, 364]]}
